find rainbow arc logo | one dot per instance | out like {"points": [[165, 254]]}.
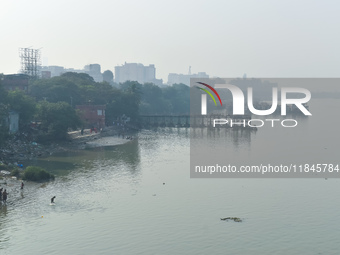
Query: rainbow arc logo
{"points": [[204, 97]]}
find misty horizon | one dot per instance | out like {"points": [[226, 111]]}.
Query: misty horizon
{"points": [[223, 39]]}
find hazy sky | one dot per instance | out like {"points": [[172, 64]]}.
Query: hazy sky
{"points": [[282, 38]]}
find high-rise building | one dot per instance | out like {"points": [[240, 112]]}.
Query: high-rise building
{"points": [[94, 70], [136, 72]]}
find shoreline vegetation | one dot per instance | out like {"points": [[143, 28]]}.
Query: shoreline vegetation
{"points": [[36, 122], [36, 174], [18, 151]]}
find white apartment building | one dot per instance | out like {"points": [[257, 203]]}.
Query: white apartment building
{"points": [[136, 72]]}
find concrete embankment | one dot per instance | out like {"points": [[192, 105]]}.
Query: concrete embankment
{"points": [[107, 137]]}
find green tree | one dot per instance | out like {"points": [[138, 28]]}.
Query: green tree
{"points": [[3, 113], [108, 76], [37, 174], [99, 93], [24, 105], [56, 119], [125, 100], [131, 98], [72, 88], [79, 78], [115, 106], [56, 89], [179, 96], [153, 101]]}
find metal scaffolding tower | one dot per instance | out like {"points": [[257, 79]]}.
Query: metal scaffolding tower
{"points": [[30, 61]]}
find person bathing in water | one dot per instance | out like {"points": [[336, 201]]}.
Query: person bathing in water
{"points": [[52, 199], [4, 196]]}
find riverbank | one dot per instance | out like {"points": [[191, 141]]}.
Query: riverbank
{"points": [[18, 150]]}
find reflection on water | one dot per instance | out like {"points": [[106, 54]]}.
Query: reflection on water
{"points": [[112, 200], [314, 140], [63, 163], [3, 210], [237, 137]]}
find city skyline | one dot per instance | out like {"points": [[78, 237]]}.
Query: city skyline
{"points": [[126, 72], [32, 65]]}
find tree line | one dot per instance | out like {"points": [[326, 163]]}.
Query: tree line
{"points": [[53, 102]]}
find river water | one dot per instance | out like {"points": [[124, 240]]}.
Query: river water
{"points": [[138, 198]]}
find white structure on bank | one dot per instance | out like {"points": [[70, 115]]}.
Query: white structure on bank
{"points": [[136, 72], [13, 122]]}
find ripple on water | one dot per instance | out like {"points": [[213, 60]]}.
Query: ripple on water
{"points": [[105, 205]]}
